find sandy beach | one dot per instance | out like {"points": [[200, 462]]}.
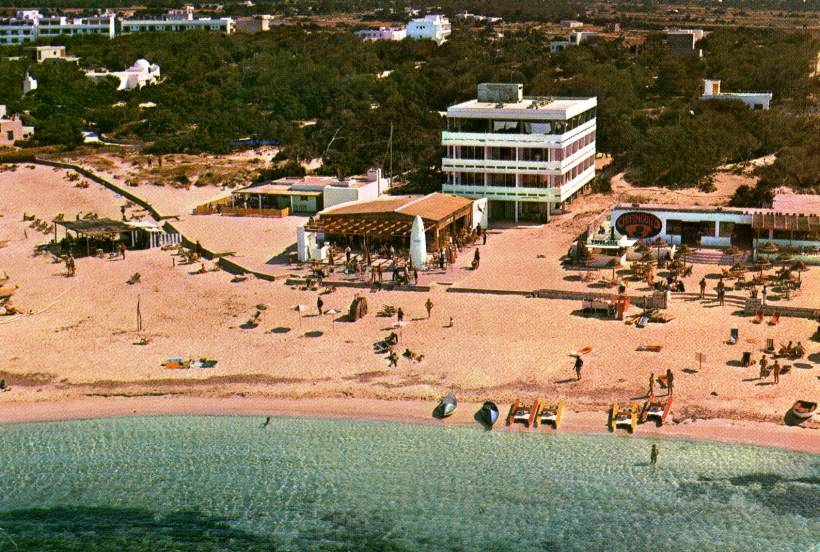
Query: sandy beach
{"points": [[75, 353]]}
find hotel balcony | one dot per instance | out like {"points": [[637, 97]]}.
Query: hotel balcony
{"points": [[454, 138], [450, 164], [511, 193]]}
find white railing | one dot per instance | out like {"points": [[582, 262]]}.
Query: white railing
{"points": [[496, 165], [504, 193], [455, 138]]}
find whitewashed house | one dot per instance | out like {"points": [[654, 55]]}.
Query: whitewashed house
{"points": [[431, 27], [755, 100], [142, 73]]}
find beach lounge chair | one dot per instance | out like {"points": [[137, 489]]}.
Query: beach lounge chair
{"points": [[758, 317], [522, 413], [650, 348], [775, 319], [770, 345], [733, 335], [746, 361]]}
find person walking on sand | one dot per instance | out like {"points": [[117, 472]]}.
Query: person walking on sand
{"points": [[653, 456], [651, 393], [764, 364], [579, 363], [776, 371], [721, 296], [484, 237], [400, 315], [702, 288], [429, 306], [393, 357], [319, 305], [416, 276], [669, 381], [764, 294]]}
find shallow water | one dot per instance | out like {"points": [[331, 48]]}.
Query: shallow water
{"points": [[224, 483]]}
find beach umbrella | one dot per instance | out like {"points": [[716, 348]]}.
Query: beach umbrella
{"points": [[659, 242], [613, 264], [799, 266], [684, 251]]}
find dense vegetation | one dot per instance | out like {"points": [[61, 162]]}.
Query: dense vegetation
{"points": [[218, 89]]}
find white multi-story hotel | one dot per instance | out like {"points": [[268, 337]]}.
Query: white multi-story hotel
{"points": [[432, 27], [30, 25], [525, 155], [179, 20]]}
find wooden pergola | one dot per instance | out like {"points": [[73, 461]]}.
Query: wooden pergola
{"points": [[392, 219]]}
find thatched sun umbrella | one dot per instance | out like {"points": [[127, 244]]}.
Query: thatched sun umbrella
{"points": [[733, 252], [641, 247], [769, 248], [659, 242], [613, 264], [684, 251], [799, 266]]}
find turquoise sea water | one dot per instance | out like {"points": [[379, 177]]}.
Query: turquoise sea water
{"points": [[224, 483]]}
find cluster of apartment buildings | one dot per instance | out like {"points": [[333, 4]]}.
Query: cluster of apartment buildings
{"points": [[31, 25], [430, 27]]}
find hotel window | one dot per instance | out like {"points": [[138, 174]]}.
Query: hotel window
{"points": [[707, 228], [535, 154], [726, 229], [505, 180], [502, 154], [674, 227], [507, 127], [784, 235], [472, 179], [472, 152]]}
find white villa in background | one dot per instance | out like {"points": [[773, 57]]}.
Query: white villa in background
{"points": [[29, 84], [142, 73], [383, 33], [755, 100], [179, 20], [527, 156], [684, 41], [45, 53], [432, 27], [575, 39], [472, 17], [571, 24], [31, 25], [12, 129]]}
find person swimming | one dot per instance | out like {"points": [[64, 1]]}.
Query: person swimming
{"points": [[267, 422]]}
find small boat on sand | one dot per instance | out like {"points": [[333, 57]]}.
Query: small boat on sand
{"points": [[800, 412], [623, 417], [446, 406], [549, 413], [522, 413], [488, 414], [656, 408]]}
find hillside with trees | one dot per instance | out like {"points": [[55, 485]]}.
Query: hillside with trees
{"points": [[218, 89]]}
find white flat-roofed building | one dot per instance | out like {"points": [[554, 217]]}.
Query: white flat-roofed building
{"points": [[525, 155], [30, 25], [793, 220], [179, 20], [755, 100], [383, 33], [142, 73], [575, 38], [432, 27]]}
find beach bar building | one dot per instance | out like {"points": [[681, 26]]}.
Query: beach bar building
{"points": [[299, 195], [390, 220], [793, 220], [93, 236], [526, 155]]}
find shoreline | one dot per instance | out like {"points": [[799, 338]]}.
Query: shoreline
{"points": [[765, 434]]}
